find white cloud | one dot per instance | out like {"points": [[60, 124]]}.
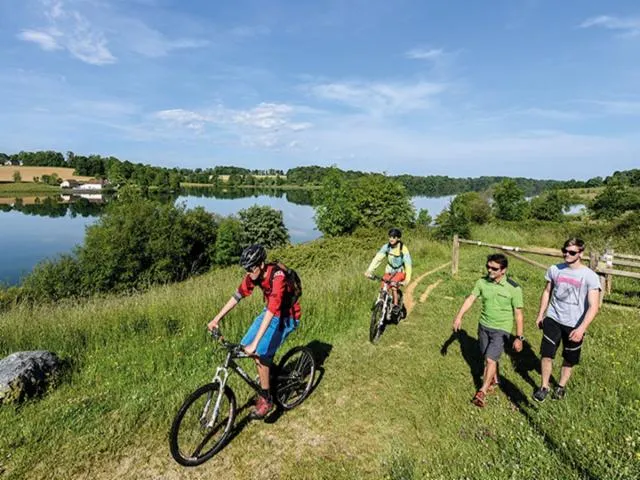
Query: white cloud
{"points": [[45, 40], [266, 125], [424, 53], [381, 98], [84, 33], [629, 26]]}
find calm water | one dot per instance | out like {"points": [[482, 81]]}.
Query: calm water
{"points": [[31, 233]]}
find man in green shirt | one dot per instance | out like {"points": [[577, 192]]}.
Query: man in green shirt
{"points": [[501, 304]]}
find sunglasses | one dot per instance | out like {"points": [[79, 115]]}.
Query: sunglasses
{"points": [[570, 252], [493, 269]]}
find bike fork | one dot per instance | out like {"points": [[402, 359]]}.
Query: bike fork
{"points": [[221, 377]]}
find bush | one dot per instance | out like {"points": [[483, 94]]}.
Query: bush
{"points": [[373, 201], [336, 212], [509, 202], [264, 225], [54, 279], [473, 206], [424, 219], [228, 244], [549, 206]]}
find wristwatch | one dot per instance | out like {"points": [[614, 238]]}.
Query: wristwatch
{"points": [[520, 337]]}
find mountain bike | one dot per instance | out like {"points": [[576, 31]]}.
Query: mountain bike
{"points": [[205, 420], [382, 310]]}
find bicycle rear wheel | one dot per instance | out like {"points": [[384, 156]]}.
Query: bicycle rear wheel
{"points": [[294, 377], [192, 440], [377, 325]]}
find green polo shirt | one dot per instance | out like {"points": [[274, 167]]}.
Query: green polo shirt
{"points": [[498, 302]]}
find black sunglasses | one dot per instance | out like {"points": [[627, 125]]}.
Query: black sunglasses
{"points": [[493, 269], [570, 252]]}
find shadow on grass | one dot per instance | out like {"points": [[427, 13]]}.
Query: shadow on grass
{"points": [[523, 362]]}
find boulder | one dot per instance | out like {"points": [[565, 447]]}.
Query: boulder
{"points": [[24, 374]]}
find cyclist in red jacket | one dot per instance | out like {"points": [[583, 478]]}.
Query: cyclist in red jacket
{"points": [[271, 327]]}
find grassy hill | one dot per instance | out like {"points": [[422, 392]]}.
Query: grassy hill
{"points": [[400, 409]]}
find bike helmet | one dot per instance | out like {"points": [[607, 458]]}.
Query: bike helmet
{"points": [[252, 256], [395, 232]]}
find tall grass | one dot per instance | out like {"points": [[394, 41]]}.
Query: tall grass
{"points": [[399, 409]]}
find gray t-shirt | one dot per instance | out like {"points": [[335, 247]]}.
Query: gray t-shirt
{"points": [[570, 287]]}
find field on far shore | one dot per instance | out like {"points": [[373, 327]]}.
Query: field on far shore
{"points": [[27, 173]]}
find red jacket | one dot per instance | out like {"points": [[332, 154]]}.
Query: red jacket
{"points": [[277, 296]]}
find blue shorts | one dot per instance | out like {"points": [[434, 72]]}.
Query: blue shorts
{"points": [[273, 337]]}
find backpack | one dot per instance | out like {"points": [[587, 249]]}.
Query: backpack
{"points": [[389, 247], [291, 277]]}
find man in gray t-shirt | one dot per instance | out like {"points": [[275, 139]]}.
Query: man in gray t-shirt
{"points": [[569, 303]]}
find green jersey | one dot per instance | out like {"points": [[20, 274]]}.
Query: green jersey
{"points": [[499, 300]]}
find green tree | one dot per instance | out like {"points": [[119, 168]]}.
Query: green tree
{"points": [[424, 219], [17, 178], [336, 210], [229, 242], [383, 202], [453, 220], [473, 206], [264, 225], [549, 206], [509, 202], [615, 200]]}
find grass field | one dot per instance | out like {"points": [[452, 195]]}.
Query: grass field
{"points": [[27, 173], [21, 189], [397, 410]]}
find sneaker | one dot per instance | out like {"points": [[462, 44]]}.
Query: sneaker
{"points": [[559, 392], [540, 394], [479, 399], [262, 408]]}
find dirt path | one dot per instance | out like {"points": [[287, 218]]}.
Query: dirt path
{"points": [[427, 292], [409, 300]]}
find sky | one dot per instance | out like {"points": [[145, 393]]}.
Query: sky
{"points": [[534, 88]]}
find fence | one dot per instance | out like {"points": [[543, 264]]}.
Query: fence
{"points": [[604, 265]]}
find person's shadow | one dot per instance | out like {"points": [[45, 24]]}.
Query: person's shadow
{"points": [[470, 349]]}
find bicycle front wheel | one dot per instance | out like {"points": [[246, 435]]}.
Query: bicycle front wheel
{"points": [[294, 378], [195, 434], [376, 326]]}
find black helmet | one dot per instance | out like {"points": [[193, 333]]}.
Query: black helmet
{"points": [[252, 256], [395, 232]]}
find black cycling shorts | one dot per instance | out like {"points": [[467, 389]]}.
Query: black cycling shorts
{"points": [[552, 333]]}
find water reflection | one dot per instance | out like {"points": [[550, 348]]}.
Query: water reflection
{"points": [[38, 227]]}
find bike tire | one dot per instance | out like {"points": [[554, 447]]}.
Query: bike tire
{"points": [[375, 328], [189, 410], [295, 374]]}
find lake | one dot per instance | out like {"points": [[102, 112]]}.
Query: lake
{"points": [[33, 230]]}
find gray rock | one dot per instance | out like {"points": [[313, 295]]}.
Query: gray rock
{"points": [[23, 374]]}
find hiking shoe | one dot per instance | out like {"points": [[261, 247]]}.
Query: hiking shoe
{"points": [[479, 399], [262, 408], [540, 394], [559, 393], [395, 311]]}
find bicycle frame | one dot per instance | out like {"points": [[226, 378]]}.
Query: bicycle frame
{"points": [[221, 376], [384, 296]]}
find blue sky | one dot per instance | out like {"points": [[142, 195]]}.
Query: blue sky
{"points": [[537, 88]]}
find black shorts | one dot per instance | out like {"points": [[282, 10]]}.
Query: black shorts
{"points": [[552, 333]]}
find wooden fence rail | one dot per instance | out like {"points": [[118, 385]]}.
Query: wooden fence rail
{"points": [[603, 265]]}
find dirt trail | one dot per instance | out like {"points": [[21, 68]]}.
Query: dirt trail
{"points": [[427, 292], [408, 299]]}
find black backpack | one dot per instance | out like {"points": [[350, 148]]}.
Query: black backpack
{"points": [[291, 277]]}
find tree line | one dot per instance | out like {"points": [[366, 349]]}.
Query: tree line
{"points": [[120, 172]]}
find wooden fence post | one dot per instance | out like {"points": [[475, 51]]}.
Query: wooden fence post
{"points": [[455, 254], [609, 259]]}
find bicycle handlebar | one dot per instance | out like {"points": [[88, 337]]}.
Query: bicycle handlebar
{"points": [[388, 282], [235, 348]]}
